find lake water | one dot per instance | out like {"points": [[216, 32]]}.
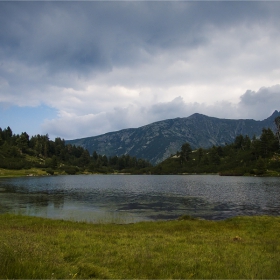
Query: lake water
{"points": [[133, 198]]}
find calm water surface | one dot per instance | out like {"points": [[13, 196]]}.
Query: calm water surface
{"points": [[126, 199]]}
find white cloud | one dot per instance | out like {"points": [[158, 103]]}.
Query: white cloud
{"points": [[125, 64], [256, 105]]}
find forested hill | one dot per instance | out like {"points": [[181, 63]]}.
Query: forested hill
{"points": [[57, 157], [157, 141], [245, 156]]}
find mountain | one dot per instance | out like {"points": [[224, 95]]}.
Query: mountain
{"points": [[157, 141]]}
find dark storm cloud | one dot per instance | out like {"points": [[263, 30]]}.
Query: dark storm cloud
{"points": [[260, 103], [106, 65], [262, 96], [83, 36]]}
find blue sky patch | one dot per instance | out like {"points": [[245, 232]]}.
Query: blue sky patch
{"points": [[26, 119]]}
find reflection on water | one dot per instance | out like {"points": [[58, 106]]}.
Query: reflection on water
{"points": [[125, 199]]}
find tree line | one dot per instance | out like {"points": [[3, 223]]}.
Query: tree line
{"points": [[245, 156], [22, 151]]}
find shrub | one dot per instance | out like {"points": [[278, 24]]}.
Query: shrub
{"points": [[50, 171]]}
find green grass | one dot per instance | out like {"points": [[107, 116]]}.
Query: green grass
{"points": [[242, 247], [21, 172]]}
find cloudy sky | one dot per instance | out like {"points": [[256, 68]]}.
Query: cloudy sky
{"points": [[77, 69]]}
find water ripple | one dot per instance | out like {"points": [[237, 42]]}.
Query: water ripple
{"points": [[122, 198]]}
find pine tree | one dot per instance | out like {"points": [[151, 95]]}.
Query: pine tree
{"points": [[185, 152]]}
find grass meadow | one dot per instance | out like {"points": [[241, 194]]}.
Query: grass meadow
{"points": [[241, 247]]}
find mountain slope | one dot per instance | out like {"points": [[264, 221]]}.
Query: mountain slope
{"points": [[157, 141]]}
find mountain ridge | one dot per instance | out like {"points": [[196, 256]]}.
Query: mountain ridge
{"points": [[158, 140]]}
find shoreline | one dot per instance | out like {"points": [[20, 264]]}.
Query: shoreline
{"points": [[37, 172]]}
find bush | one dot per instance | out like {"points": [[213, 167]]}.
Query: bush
{"points": [[15, 164], [71, 170], [234, 172], [50, 171]]}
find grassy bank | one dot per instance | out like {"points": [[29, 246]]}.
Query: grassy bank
{"points": [[22, 172], [9, 173], [243, 247]]}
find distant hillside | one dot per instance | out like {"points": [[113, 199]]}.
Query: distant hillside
{"points": [[157, 141]]}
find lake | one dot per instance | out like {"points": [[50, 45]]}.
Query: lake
{"points": [[134, 198]]}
